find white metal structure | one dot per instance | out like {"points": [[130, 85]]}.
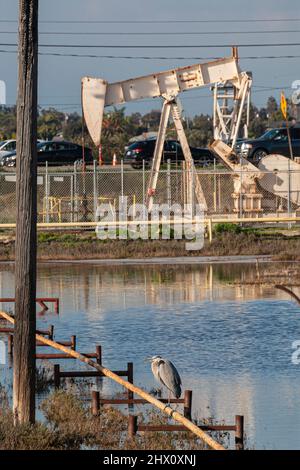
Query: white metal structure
{"points": [[281, 177], [2, 92], [97, 93], [246, 197], [229, 104]]}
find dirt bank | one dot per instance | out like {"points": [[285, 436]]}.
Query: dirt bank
{"points": [[85, 246]]}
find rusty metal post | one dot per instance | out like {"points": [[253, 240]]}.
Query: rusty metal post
{"points": [[10, 344], [56, 371], [132, 426], [56, 305], [239, 432], [95, 403], [51, 331], [187, 407], [73, 342], [130, 379], [99, 354], [235, 52]]}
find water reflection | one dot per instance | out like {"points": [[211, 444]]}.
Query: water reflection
{"points": [[125, 286], [230, 342]]}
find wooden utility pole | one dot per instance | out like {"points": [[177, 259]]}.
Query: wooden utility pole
{"points": [[25, 257]]}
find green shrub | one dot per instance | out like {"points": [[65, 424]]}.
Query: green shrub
{"points": [[227, 227]]}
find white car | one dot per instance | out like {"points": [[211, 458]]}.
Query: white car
{"points": [[7, 146]]}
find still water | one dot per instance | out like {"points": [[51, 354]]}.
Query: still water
{"points": [[232, 344]]}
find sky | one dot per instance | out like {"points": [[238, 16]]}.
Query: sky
{"points": [[59, 77]]}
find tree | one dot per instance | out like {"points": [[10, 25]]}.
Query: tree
{"points": [[151, 120], [50, 123], [8, 122], [72, 129], [272, 105]]}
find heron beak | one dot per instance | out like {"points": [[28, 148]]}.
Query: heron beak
{"points": [[148, 359]]}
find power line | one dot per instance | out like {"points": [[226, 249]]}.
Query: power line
{"points": [[93, 56], [155, 46], [159, 33], [264, 89], [167, 21]]}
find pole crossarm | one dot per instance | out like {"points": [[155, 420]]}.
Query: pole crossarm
{"points": [[146, 396]]}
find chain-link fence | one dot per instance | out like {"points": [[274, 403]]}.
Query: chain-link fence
{"points": [[73, 195]]}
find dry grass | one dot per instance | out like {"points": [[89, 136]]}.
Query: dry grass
{"points": [[270, 275], [69, 425], [72, 246]]}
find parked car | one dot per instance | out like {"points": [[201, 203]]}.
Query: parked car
{"points": [[273, 141], [55, 153], [144, 150], [6, 147]]}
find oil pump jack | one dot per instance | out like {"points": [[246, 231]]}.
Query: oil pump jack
{"points": [[97, 94]]}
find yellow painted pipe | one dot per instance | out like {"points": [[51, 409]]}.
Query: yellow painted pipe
{"points": [[212, 221], [146, 396]]}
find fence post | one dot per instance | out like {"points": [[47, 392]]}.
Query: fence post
{"points": [[187, 407], [51, 331], [194, 175], [215, 187], [73, 342], [209, 227], [169, 196], [75, 193], [47, 182], [95, 188], [99, 354], [10, 344], [132, 426], [241, 189], [122, 179], [95, 407], [239, 432], [56, 371], [289, 191], [130, 379], [144, 184], [183, 183]]}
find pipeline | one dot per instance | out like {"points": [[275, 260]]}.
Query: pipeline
{"points": [[146, 396], [288, 291]]}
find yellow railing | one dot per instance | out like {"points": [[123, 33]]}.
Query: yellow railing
{"points": [[208, 222]]}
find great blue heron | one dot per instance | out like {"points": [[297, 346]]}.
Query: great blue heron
{"points": [[166, 373]]}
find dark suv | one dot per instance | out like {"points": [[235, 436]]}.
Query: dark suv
{"points": [[144, 150], [273, 141], [55, 153]]}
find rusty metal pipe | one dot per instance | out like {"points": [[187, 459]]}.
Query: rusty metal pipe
{"points": [[63, 356]]}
